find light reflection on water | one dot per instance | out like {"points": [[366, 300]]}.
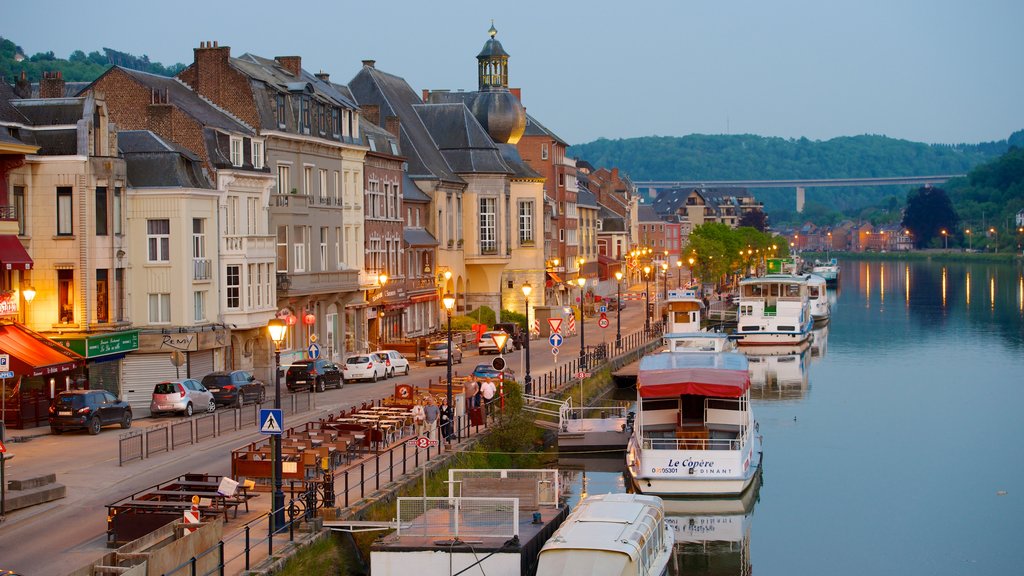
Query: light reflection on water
{"points": [[907, 456]]}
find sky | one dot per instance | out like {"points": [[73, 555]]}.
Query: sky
{"points": [[936, 71]]}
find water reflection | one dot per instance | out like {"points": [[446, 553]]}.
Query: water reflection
{"points": [[819, 341], [779, 374]]}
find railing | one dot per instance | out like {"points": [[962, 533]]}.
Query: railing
{"points": [[649, 443], [439, 517], [8, 212], [248, 244], [201, 268]]}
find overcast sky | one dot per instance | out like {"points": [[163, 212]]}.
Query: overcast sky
{"points": [[939, 71]]}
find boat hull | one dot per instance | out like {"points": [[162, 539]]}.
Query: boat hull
{"points": [[693, 481]]}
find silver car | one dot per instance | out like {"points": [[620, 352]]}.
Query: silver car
{"points": [[437, 353], [181, 396]]}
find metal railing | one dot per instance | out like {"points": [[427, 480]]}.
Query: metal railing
{"points": [[201, 269], [439, 517]]}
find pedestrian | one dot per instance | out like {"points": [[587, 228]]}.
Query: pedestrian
{"points": [[418, 416], [430, 414], [487, 391], [446, 420], [473, 393]]}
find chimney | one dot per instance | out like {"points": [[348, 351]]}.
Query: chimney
{"points": [[51, 85], [393, 125], [370, 63], [323, 76], [615, 173], [372, 113], [292, 64], [23, 88], [210, 62]]}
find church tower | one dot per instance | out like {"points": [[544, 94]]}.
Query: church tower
{"points": [[496, 108]]}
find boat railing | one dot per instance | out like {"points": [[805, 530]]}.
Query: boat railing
{"points": [[570, 412], [458, 517], [694, 443]]}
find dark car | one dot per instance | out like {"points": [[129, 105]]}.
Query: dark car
{"points": [[326, 375], [234, 388], [89, 409]]}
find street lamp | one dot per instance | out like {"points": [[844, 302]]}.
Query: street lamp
{"points": [[664, 284], [618, 309], [647, 298], [970, 241], [28, 294], [679, 274], [526, 379], [945, 240], [583, 355], [449, 303], [993, 232], [277, 329], [382, 279]]}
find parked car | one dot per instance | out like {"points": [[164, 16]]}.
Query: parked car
{"points": [[487, 345], [89, 409], [396, 363], [235, 388], [487, 372], [184, 396], [516, 334], [437, 353], [327, 374], [363, 367]]}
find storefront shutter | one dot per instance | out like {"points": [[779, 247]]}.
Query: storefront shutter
{"points": [[142, 372]]}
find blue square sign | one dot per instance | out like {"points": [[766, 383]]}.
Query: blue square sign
{"points": [[271, 421]]}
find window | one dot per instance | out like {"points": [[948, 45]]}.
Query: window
{"points": [[102, 296], [337, 247], [488, 228], [543, 151], [526, 222], [320, 118], [19, 207], [198, 238], [337, 188], [323, 248], [66, 296], [64, 225], [199, 304], [323, 187], [282, 249], [335, 124], [307, 181], [284, 175], [236, 152], [117, 210], [101, 210], [300, 249], [305, 115], [280, 111], [119, 291], [159, 308], [159, 240], [233, 281], [257, 154]]}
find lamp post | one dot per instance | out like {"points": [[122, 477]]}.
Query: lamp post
{"points": [[647, 298], [382, 279], [618, 310], [583, 319], [28, 294], [679, 274], [691, 260], [970, 243], [945, 240], [277, 328], [449, 304], [527, 381], [992, 231], [664, 284]]}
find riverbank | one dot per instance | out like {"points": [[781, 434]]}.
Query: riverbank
{"points": [[938, 255]]}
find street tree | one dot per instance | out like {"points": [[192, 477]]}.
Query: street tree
{"points": [[928, 212]]}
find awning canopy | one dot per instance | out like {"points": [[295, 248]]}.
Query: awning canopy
{"points": [[665, 375], [33, 354], [554, 277], [13, 255]]}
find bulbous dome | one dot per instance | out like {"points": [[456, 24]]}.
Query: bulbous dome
{"points": [[501, 114]]}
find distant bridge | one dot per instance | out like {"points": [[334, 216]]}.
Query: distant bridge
{"points": [[800, 185]]}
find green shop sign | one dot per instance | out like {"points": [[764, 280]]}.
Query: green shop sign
{"points": [[102, 344]]}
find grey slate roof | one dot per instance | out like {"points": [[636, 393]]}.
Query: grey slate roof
{"points": [[418, 237], [646, 213], [462, 141], [153, 162], [535, 128], [395, 97], [51, 111], [520, 169], [8, 111], [610, 221], [585, 198], [381, 139], [411, 192], [62, 142]]}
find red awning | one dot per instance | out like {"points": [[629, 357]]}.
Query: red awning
{"points": [[555, 277], [33, 354], [12, 254], [423, 297], [699, 381]]}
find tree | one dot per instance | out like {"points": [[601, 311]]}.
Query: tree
{"points": [[755, 219], [927, 214]]}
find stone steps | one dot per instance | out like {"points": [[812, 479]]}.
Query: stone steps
{"points": [[32, 491]]}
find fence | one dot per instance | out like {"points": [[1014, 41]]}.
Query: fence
{"points": [[543, 482], [439, 517], [138, 445]]}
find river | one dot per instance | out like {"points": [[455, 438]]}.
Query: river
{"points": [[894, 445]]}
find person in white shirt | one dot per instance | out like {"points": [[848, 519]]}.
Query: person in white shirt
{"points": [[419, 417], [487, 390]]}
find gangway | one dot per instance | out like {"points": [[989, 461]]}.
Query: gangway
{"points": [[548, 412]]}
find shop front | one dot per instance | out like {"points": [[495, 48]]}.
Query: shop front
{"points": [[171, 356], [38, 369], [385, 315], [103, 355]]}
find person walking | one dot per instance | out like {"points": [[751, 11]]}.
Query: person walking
{"points": [[419, 417], [445, 417], [430, 413], [487, 391]]}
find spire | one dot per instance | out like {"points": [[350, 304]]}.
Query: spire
{"points": [[493, 63], [493, 31]]}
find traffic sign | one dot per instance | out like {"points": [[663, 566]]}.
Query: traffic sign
{"points": [[314, 351], [603, 322], [3, 449], [5, 362], [554, 350], [602, 309], [7, 374], [555, 339], [313, 338], [271, 421], [498, 363], [421, 442], [583, 374], [555, 324]]}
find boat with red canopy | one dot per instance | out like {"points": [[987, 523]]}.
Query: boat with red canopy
{"points": [[694, 433]]}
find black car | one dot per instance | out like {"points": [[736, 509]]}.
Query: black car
{"points": [[89, 409], [327, 375], [234, 388]]}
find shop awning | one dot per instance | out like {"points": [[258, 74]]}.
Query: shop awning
{"points": [[554, 277], [423, 297], [33, 354], [13, 255]]}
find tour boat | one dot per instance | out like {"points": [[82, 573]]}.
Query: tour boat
{"points": [[610, 535], [698, 342], [827, 270], [683, 332], [694, 433], [774, 310], [817, 297]]}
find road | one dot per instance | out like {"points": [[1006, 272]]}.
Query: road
{"points": [[61, 536]]}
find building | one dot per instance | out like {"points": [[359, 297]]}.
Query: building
{"points": [[423, 278], [700, 205], [310, 135]]}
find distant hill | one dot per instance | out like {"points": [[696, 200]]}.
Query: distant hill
{"points": [[78, 67], [748, 157]]}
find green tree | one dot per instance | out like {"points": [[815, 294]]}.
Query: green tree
{"points": [[927, 214], [755, 219]]}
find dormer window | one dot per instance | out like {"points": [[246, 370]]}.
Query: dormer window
{"points": [[237, 158], [280, 111], [543, 151], [257, 154], [335, 123]]}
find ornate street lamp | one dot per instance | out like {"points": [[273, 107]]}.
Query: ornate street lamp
{"points": [[28, 294], [618, 310], [647, 298], [382, 279], [449, 304], [277, 329], [583, 355], [664, 284], [679, 273], [527, 386]]}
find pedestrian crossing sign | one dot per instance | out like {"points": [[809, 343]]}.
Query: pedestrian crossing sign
{"points": [[271, 421]]}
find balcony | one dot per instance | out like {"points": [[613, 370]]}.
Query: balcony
{"points": [[249, 247], [290, 204], [9, 213], [309, 283], [488, 253], [201, 269]]}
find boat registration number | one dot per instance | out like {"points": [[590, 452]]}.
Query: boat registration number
{"points": [[664, 470]]}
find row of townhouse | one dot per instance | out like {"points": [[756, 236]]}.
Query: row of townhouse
{"points": [[848, 236], [150, 227]]}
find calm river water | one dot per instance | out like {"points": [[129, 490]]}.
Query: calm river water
{"points": [[895, 445]]}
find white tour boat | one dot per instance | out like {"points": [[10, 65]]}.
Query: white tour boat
{"points": [[817, 296], [683, 332], [774, 310], [610, 535], [827, 270], [694, 433]]}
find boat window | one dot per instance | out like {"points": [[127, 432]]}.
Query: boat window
{"points": [[774, 289], [813, 291], [692, 409], [680, 317], [792, 290], [660, 404]]}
